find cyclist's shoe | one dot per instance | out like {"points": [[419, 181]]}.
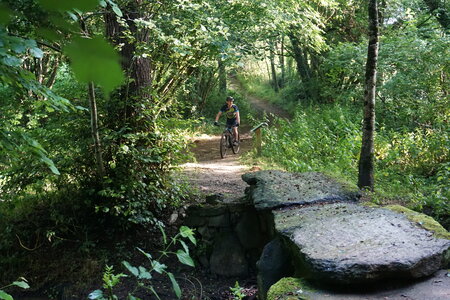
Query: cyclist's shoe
{"points": [[235, 143], [216, 124]]}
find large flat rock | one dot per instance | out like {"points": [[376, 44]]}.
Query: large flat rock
{"points": [[349, 243], [436, 287], [272, 189]]}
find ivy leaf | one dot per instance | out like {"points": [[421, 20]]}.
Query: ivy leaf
{"points": [[95, 60], [189, 233], [133, 270], [184, 258], [144, 273], [158, 267]]}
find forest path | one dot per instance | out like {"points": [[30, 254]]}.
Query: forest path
{"points": [[213, 175]]}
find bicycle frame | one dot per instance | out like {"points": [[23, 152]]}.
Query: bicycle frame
{"points": [[227, 141]]}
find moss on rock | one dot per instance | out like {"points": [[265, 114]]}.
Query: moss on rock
{"points": [[422, 220], [289, 288]]}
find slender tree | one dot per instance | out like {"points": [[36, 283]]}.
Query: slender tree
{"points": [[273, 70], [222, 77], [94, 130], [282, 63], [366, 160]]}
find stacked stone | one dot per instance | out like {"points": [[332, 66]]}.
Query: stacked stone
{"points": [[323, 235]]}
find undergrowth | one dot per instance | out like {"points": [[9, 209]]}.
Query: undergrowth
{"points": [[412, 164]]}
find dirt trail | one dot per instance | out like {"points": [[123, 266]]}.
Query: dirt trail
{"points": [[214, 175]]}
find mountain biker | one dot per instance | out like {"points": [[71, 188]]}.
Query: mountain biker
{"points": [[233, 118]]}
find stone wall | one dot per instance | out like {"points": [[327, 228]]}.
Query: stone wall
{"points": [[229, 234]]}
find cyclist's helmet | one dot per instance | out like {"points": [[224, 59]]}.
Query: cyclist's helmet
{"points": [[229, 98]]}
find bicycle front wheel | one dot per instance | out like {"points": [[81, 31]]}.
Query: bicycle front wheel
{"points": [[224, 142]]}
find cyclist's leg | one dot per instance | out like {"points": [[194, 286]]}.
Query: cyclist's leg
{"points": [[234, 129], [235, 134]]}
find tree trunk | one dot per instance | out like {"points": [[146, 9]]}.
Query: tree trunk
{"points": [[440, 10], [222, 77], [366, 160], [302, 64], [52, 78], [273, 68], [137, 68], [94, 131], [303, 68], [282, 64]]}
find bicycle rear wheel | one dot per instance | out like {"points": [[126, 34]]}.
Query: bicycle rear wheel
{"points": [[236, 147], [224, 142]]}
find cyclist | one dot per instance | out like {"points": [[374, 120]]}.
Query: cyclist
{"points": [[232, 113]]}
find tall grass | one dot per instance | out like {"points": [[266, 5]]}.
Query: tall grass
{"points": [[412, 167]]}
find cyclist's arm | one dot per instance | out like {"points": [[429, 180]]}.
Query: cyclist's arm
{"points": [[238, 118], [218, 116]]}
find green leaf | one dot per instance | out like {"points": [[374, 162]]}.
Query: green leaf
{"points": [[12, 61], [95, 60], [50, 164], [73, 16], [97, 294], [184, 258], [158, 267], [103, 3], [133, 270], [154, 292], [144, 273], [36, 52], [148, 255], [21, 284], [189, 233], [117, 10], [163, 233], [5, 296], [175, 286], [185, 247]]}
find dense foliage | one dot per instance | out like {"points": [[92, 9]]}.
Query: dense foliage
{"points": [[412, 136], [99, 97]]}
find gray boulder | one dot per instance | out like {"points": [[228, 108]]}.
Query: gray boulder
{"points": [[273, 265], [272, 189], [347, 243]]}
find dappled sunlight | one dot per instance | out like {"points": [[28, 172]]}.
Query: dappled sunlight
{"points": [[219, 167], [204, 137]]}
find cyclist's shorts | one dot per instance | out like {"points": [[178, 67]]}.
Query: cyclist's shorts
{"points": [[231, 122]]}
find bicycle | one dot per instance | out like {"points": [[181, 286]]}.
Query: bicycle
{"points": [[227, 141]]}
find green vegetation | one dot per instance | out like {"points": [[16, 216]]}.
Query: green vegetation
{"points": [[143, 275], [412, 152], [100, 97], [289, 288]]}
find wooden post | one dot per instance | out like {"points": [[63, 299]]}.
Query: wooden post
{"points": [[258, 141], [258, 137]]}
